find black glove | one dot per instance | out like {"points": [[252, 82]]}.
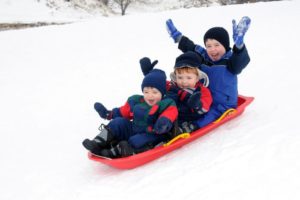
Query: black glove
{"points": [[194, 101], [146, 65], [182, 94]]}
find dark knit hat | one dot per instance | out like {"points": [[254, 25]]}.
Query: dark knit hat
{"points": [[155, 78], [219, 34], [188, 58]]}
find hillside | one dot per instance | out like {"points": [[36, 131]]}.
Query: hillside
{"points": [[51, 76]]}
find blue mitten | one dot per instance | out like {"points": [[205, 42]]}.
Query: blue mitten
{"points": [[146, 65], [102, 111], [173, 32], [240, 30], [162, 125]]}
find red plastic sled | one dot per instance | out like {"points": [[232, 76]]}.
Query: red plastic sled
{"points": [[145, 157]]}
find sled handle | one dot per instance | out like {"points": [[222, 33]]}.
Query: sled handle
{"points": [[182, 135], [226, 113]]}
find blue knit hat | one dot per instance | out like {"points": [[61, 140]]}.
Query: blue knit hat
{"points": [[188, 58], [219, 34], [155, 78]]}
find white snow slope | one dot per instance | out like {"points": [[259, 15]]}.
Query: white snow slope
{"points": [[51, 76]]}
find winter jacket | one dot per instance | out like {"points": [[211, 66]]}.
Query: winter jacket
{"points": [[185, 112], [144, 116], [223, 83]]}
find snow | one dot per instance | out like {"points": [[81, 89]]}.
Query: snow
{"points": [[51, 76]]}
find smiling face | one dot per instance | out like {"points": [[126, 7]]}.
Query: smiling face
{"points": [[152, 95], [215, 50], [186, 77]]}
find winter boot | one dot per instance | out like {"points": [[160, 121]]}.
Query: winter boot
{"points": [[187, 127], [102, 140], [175, 131], [123, 149]]}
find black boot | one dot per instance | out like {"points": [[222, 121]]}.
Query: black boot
{"points": [[175, 131], [89, 144], [101, 141], [187, 127], [123, 149]]}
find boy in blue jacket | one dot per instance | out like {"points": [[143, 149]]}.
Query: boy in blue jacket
{"points": [[221, 63]]}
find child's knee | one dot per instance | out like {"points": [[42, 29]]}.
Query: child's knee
{"points": [[138, 141]]}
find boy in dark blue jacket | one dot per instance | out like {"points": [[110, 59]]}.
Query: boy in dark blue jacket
{"points": [[140, 124], [219, 62]]}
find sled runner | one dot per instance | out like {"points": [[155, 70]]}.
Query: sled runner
{"points": [[147, 156]]}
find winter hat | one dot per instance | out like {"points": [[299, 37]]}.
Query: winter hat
{"points": [[155, 78], [193, 60], [188, 58], [219, 34]]}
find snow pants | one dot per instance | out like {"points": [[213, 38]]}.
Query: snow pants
{"points": [[122, 129]]}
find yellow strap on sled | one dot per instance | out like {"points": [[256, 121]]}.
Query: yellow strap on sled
{"points": [[227, 112], [182, 135], [186, 135]]}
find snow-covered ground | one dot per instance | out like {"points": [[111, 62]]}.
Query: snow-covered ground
{"points": [[26, 11], [51, 76]]}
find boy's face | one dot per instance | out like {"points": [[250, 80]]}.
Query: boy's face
{"points": [[215, 49], [186, 80], [152, 95]]}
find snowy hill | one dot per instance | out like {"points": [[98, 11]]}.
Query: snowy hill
{"points": [[51, 76], [74, 10]]}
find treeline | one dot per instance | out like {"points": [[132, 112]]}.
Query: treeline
{"points": [[124, 4]]}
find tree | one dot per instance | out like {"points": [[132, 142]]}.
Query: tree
{"points": [[105, 2], [123, 4], [195, 3]]}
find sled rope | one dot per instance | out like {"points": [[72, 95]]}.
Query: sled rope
{"points": [[182, 135], [226, 113]]}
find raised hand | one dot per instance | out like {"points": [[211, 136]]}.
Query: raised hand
{"points": [[146, 65], [102, 111], [173, 32], [239, 30]]}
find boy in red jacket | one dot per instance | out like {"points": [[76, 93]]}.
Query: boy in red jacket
{"points": [[188, 88], [140, 124]]}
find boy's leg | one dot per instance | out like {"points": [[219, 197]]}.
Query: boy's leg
{"points": [[122, 149], [146, 140], [136, 144], [117, 129], [102, 140], [211, 116], [121, 128]]}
